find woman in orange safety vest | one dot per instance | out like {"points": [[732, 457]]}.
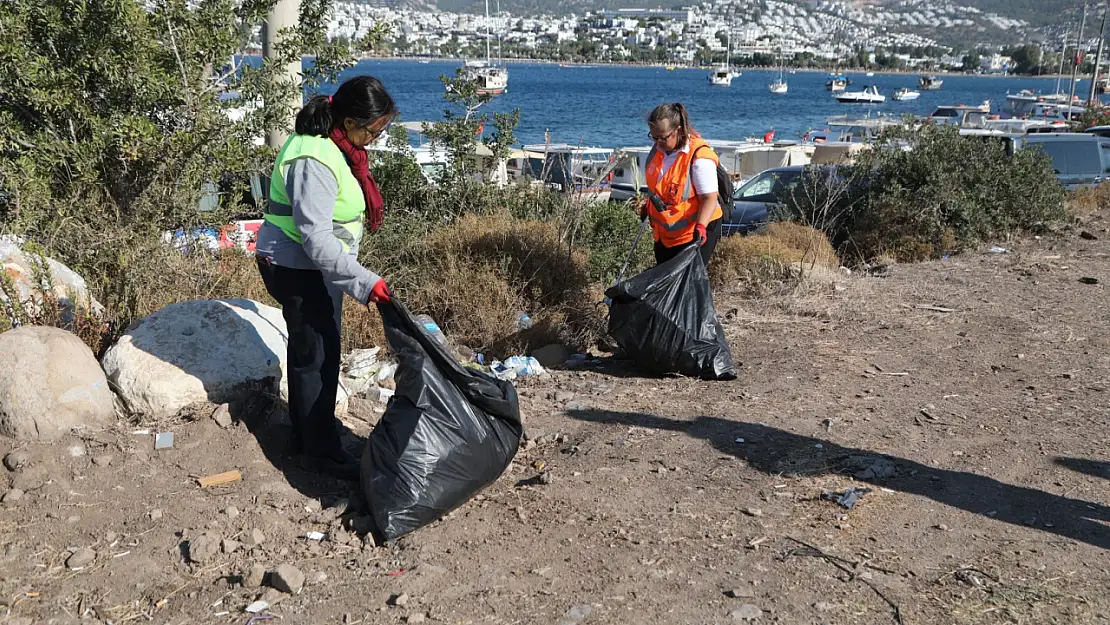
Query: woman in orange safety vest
{"points": [[681, 176]]}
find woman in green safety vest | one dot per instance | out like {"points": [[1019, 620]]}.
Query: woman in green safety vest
{"points": [[321, 192]]}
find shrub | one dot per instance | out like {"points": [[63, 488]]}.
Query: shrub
{"points": [[1086, 201], [947, 192], [765, 261], [607, 233]]}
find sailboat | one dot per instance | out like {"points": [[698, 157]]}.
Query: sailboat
{"points": [[779, 86], [491, 79], [722, 75]]}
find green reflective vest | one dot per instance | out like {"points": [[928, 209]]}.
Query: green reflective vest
{"points": [[350, 203]]}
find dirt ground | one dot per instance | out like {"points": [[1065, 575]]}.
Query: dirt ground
{"points": [[970, 395]]}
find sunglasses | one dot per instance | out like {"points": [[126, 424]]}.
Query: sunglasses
{"points": [[663, 138]]}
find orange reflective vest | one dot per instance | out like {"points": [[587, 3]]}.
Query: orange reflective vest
{"points": [[675, 225]]}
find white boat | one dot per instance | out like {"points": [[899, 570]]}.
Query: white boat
{"points": [[582, 172], [869, 95], [904, 94], [929, 83], [491, 79], [837, 83], [870, 74], [722, 75], [779, 86]]}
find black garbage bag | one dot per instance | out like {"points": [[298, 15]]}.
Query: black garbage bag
{"points": [[665, 321], [447, 433]]}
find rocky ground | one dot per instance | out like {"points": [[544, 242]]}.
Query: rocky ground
{"points": [[968, 398]]}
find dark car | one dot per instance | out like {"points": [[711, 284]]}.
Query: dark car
{"points": [[752, 201]]}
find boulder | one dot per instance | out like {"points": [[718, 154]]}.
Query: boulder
{"points": [[25, 269], [201, 351], [50, 383]]}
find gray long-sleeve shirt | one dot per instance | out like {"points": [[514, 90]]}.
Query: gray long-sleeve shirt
{"points": [[312, 190]]}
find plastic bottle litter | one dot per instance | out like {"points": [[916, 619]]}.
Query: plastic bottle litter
{"points": [[431, 327], [387, 372], [517, 367], [523, 321], [996, 249], [163, 440]]}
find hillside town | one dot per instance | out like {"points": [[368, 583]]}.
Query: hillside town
{"points": [[913, 33]]}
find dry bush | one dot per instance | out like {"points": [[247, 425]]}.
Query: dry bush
{"points": [[1086, 201], [766, 261], [479, 272]]}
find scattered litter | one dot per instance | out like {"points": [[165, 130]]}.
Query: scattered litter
{"points": [[222, 614], [939, 309], [819, 446], [995, 249], [220, 479], [257, 607], [381, 395], [387, 372], [315, 536], [362, 362], [255, 619], [739, 440], [848, 499], [141, 433], [1087, 280], [516, 367], [523, 321], [120, 555], [163, 440], [432, 328]]}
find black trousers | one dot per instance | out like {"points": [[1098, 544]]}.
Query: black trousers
{"points": [[312, 314], [713, 235]]}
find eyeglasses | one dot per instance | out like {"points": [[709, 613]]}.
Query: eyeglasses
{"points": [[662, 138]]}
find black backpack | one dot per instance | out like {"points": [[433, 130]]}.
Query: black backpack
{"points": [[724, 182]]}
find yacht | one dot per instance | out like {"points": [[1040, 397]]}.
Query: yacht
{"points": [[779, 86], [904, 94], [869, 95], [491, 79], [929, 83], [838, 83], [722, 75]]}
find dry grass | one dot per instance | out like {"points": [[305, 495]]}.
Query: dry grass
{"points": [[777, 256], [478, 273], [1086, 201]]}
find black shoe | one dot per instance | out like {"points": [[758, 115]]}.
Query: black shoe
{"points": [[338, 464]]}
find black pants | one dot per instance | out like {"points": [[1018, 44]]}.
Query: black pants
{"points": [[312, 314], [712, 234]]}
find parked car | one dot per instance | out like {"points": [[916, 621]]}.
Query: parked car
{"points": [[1079, 159], [752, 201]]}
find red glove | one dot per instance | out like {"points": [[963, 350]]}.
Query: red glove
{"points": [[700, 236], [380, 293]]}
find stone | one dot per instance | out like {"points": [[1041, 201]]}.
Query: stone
{"points": [[313, 506], [103, 460], [50, 384], [17, 459], [416, 617], [429, 569], [203, 548], [576, 614], [201, 351], [12, 496], [230, 546], [747, 612], [231, 512], [319, 577], [67, 287], [401, 600], [155, 514], [222, 416], [254, 538], [254, 576], [825, 606], [739, 593], [81, 558], [562, 397], [77, 450], [287, 578], [756, 512], [551, 355]]}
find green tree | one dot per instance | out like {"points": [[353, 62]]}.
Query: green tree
{"points": [[116, 117]]}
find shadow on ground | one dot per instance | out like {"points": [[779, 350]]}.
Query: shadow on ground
{"points": [[775, 451], [1094, 468]]}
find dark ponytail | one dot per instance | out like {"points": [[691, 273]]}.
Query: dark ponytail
{"points": [[677, 116], [362, 98]]}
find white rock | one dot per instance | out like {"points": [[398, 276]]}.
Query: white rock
{"points": [[202, 350], [66, 285], [50, 384]]}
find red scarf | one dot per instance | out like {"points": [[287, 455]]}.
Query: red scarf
{"points": [[360, 167]]}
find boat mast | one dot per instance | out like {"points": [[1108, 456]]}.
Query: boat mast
{"points": [[1075, 65], [1098, 60], [500, 32], [1060, 70], [487, 33]]}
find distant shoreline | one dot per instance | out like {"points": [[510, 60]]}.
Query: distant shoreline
{"points": [[808, 70]]}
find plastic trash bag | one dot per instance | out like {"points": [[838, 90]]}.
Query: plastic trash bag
{"points": [[665, 321], [447, 433]]}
